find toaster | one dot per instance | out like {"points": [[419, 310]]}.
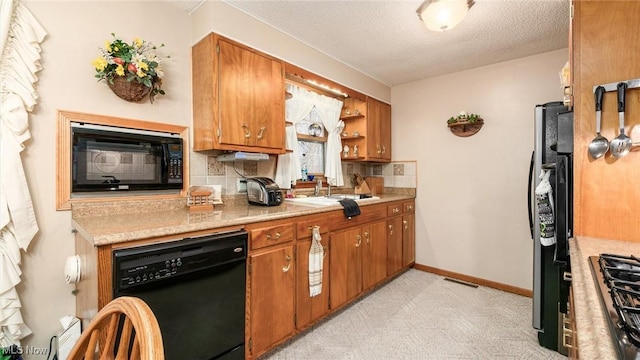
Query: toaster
{"points": [[263, 191]]}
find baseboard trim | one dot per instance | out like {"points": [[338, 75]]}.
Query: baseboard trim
{"points": [[475, 280]]}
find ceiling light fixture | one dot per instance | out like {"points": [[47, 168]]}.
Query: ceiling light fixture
{"points": [[441, 15]]}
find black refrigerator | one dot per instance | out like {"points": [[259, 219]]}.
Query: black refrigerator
{"points": [[553, 151]]}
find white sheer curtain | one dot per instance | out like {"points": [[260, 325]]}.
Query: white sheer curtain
{"points": [[20, 38], [329, 112], [289, 167]]}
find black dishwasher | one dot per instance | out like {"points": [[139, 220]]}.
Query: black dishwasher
{"points": [[196, 289]]}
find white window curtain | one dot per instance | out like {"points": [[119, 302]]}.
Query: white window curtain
{"points": [[20, 38], [329, 111], [288, 169]]}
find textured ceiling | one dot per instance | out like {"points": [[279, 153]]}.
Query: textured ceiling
{"points": [[385, 39]]}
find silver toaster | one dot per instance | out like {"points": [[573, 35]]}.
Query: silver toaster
{"points": [[263, 191]]}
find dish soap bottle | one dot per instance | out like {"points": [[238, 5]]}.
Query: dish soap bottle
{"points": [[304, 172]]}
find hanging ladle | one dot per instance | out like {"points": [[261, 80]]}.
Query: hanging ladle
{"points": [[621, 145], [599, 145]]}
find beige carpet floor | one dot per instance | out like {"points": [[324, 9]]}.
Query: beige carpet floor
{"points": [[420, 315]]}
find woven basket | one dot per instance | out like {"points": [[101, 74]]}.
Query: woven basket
{"points": [[128, 90]]}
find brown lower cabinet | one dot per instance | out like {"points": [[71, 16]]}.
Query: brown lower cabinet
{"points": [[394, 248], [271, 277], [374, 254], [358, 261], [408, 239], [346, 266], [310, 309]]}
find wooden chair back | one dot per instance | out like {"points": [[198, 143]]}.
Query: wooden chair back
{"points": [[124, 329]]}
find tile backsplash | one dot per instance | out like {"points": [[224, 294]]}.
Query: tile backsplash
{"points": [[398, 174], [205, 169]]}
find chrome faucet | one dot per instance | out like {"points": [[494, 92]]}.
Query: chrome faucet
{"points": [[316, 191]]}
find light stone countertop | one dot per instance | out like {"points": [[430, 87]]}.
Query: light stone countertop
{"points": [[135, 225], [595, 341]]}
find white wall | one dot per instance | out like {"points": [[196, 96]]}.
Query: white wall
{"points": [[472, 192], [76, 30]]}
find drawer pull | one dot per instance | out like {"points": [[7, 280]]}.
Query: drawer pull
{"points": [[261, 132], [247, 133], [275, 237], [288, 266], [395, 210], [409, 207]]}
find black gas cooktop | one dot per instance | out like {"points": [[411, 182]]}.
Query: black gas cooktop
{"points": [[617, 280]]}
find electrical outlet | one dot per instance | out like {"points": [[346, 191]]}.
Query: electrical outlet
{"points": [[242, 186]]}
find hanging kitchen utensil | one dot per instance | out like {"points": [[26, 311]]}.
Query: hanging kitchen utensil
{"points": [[599, 145], [621, 145]]}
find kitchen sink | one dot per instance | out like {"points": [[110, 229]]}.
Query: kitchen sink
{"points": [[328, 200]]}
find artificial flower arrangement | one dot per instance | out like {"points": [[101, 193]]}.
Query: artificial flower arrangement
{"points": [[131, 63], [464, 117]]}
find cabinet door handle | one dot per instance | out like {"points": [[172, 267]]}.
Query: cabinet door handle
{"points": [[274, 237], [390, 229], [384, 149], [261, 132], [366, 236], [288, 266], [247, 133], [379, 149], [406, 224], [324, 251], [359, 238]]}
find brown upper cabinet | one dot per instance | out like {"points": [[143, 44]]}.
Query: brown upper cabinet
{"points": [[238, 98], [367, 126], [378, 130]]}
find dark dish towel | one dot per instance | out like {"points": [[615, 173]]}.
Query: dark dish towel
{"points": [[351, 208]]}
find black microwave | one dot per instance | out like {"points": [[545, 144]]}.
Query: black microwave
{"points": [[106, 158]]}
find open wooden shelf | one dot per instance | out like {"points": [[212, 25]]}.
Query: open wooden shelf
{"points": [[350, 137], [351, 158], [305, 137], [351, 117]]}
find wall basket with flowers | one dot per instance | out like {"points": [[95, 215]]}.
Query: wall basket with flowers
{"points": [[465, 125], [131, 70]]}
